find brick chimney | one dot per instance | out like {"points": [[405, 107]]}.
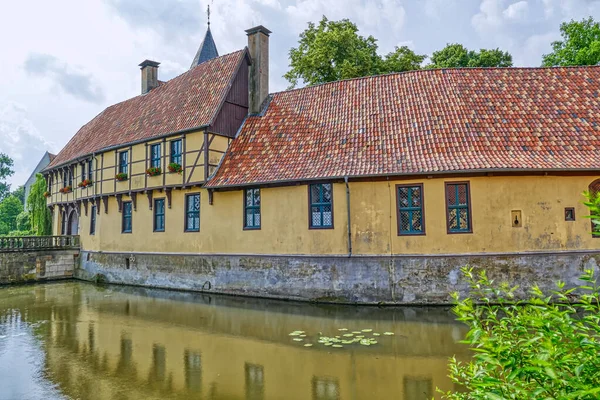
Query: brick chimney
{"points": [[258, 79], [149, 75]]}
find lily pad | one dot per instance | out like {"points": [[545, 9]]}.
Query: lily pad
{"points": [[337, 345], [298, 339], [342, 329], [376, 334], [308, 345], [356, 332], [328, 344], [388, 333], [367, 330], [302, 335], [365, 342]]}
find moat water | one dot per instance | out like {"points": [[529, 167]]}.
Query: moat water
{"points": [[79, 341]]}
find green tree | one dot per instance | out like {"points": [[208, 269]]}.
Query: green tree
{"points": [[580, 44], [401, 59], [545, 348], [458, 56], [6, 164], [20, 193], [333, 50], [10, 207], [41, 219], [24, 221]]}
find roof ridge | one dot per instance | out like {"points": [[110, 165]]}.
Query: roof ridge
{"points": [[425, 70]]}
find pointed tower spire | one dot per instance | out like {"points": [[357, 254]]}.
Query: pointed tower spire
{"points": [[207, 49]]}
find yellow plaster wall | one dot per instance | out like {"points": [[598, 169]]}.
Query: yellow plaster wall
{"points": [[284, 227]]}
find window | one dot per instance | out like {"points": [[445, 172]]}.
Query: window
{"points": [[90, 170], [325, 388], [82, 171], [418, 388], [176, 151], [126, 226], [192, 212], [410, 209], [93, 221], [155, 156], [65, 178], [458, 207], [71, 176], [252, 209], [255, 381], [123, 162], [321, 207], [49, 180], [193, 370], [159, 215], [569, 214]]}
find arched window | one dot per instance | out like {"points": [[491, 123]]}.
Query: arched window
{"points": [[63, 223], [594, 191]]}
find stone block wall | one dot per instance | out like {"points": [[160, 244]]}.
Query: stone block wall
{"points": [[32, 266], [355, 280]]}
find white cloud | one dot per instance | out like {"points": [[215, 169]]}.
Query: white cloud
{"points": [[516, 11], [489, 17], [21, 140]]}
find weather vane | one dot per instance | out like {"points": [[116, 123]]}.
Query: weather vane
{"points": [[208, 13]]}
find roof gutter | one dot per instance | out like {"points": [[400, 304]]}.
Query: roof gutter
{"points": [[391, 175]]}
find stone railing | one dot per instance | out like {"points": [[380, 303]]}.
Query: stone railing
{"points": [[32, 243]]}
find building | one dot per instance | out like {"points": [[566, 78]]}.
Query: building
{"points": [[370, 190], [44, 162]]}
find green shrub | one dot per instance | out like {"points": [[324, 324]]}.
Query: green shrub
{"points": [[545, 348]]}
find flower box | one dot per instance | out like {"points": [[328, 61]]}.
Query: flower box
{"points": [[153, 171], [174, 167], [85, 183], [66, 189], [122, 176], [47, 194]]}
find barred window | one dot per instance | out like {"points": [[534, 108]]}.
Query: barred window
{"points": [[321, 206], [90, 170], [155, 155], [192, 212], [252, 209], [159, 215], [176, 151], [126, 224], [458, 207], [123, 162], [410, 209]]}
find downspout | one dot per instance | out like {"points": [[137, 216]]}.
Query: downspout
{"points": [[349, 224]]}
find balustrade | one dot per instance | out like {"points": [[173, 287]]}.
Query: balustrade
{"points": [[32, 243]]}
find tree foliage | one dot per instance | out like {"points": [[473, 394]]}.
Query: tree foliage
{"points": [[41, 219], [10, 207], [580, 44], [458, 56], [19, 193], [6, 164], [23, 221], [333, 50], [547, 347]]}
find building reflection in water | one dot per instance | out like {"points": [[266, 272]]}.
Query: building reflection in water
{"points": [[124, 343]]}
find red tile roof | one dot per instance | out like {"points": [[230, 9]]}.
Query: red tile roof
{"points": [[429, 121], [190, 100]]}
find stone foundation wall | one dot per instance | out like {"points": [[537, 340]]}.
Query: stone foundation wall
{"points": [[32, 266], [358, 280]]}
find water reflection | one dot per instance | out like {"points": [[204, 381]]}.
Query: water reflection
{"points": [[125, 343]]}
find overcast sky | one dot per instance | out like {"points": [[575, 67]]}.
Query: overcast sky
{"points": [[63, 61]]}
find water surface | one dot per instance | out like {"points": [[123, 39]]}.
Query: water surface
{"points": [[79, 341]]}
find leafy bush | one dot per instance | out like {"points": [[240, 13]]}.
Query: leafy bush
{"points": [[23, 221], [545, 348]]}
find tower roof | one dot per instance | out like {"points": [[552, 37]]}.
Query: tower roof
{"points": [[206, 51]]}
